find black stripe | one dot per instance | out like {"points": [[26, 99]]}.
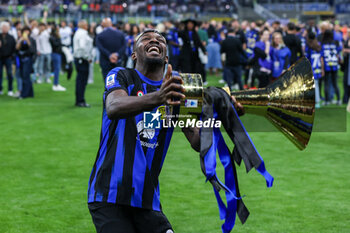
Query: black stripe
{"points": [[151, 177], [93, 172], [125, 189], [103, 178]]}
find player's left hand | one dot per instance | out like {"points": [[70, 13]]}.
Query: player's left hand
{"points": [[238, 106]]}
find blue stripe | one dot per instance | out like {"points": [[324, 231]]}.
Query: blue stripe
{"points": [[149, 81], [156, 195], [117, 169], [144, 88], [138, 176], [156, 199], [139, 170], [103, 149], [130, 88]]}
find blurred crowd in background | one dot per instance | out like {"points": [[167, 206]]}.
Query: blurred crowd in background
{"points": [[92, 8], [240, 54]]}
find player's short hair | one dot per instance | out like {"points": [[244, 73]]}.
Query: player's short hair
{"points": [[148, 31], [145, 32]]}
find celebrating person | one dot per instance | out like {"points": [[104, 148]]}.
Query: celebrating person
{"points": [[123, 189], [44, 51], [26, 48], [123, 193]]}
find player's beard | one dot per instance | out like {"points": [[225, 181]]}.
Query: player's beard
{"points": [[155, 61]]}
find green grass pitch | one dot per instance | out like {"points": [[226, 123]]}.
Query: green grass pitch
{"points": [[48, 147]]}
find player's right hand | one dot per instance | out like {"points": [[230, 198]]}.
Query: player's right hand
{"points": [[171, 92]]}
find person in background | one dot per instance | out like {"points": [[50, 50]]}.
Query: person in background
{"points": [[44, 51], [276, 27], [324, 25], [312, 52], [346, 64], [281, 55], [17, 26], [239, 33], [26, 49], [337, 34], [82, 45], [329, 61], [213, 48], [7, 51], [111, 44], [34, 32], [56, 56], [174, 44], [203, 37], [293, 42], [261, 60], [252, 35], [92, 34], [66, 34], [126, 29], [17, 64], [130, 39], [189, 55], [233, 49]]}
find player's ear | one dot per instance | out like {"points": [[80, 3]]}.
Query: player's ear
{"points": [[133, 56], [166, 59]]}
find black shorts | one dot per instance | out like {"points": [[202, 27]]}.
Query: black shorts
{"points": [[113, 218]]}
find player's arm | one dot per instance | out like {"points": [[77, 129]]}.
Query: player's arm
{"points": [[120, 105]]}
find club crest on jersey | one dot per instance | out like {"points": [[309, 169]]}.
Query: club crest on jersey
{"points": [[110, 80], [139, 93]]}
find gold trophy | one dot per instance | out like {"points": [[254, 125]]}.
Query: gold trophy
{"points": [[191, 107], [288, 103]]}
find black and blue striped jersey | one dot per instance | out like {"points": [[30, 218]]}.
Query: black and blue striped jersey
{"points": [[130, 157]]}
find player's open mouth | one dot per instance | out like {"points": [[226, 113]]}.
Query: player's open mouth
{"points": [[153, 50]]}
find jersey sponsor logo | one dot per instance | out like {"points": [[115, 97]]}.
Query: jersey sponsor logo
{"points": [[139, 93], [152, 120], [110, 80]]}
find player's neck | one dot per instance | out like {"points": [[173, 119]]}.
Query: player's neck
{"points": [[154, 73]]}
